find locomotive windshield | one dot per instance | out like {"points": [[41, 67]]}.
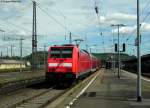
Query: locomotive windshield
{"points": [[61, 52]]}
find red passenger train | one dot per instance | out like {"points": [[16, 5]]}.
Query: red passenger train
{"points": [[67, 63]]}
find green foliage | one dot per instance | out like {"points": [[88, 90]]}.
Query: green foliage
{"points": [[11, 58], [106, 56], [101, 56], [40, 57]]}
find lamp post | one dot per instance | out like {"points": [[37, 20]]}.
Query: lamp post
{"points": [[118, 49], [139, 97]]}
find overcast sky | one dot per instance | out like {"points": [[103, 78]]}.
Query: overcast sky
{"points": [[56, 18]]}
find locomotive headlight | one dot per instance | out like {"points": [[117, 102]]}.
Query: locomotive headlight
{"points": [[67, 64], [53, 64], [60, 64]]}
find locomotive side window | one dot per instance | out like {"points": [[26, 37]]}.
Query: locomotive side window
{"points": [[61, 53]]}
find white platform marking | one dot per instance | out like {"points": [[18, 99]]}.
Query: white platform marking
{"points": [[82, 91]]}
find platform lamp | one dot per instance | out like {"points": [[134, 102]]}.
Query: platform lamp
{"points": [[139, 91]]}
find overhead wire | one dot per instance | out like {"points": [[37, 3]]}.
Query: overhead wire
{"points": [[50, 16], [15, 25], [65, 18], [147, 15], [99, 23], [62, 25], [143, 19], [58, 22], [54, 19]]}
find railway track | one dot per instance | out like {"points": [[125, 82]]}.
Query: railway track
{"points": [[39, 100], [34, 96], [146, 75], [44, 98], [143, 73]]}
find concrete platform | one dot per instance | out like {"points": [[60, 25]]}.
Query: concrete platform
{"points": [[107, 91]]}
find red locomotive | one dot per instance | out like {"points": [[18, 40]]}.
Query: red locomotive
{"points": [[67, 63]]}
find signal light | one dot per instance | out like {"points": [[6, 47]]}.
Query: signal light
{"points": [[96, 9], [124, 47], [116, 47]]}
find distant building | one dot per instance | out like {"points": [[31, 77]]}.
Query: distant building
{"points": [[13, 64]]}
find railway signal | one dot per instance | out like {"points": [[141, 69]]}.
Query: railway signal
{"points": [[116, 47], [123, 48], [118, 50], [96, 9]]}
